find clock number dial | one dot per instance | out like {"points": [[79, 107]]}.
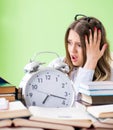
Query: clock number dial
{"points": [[40, 80], [49, 88], [34, 87], [48, 77]]}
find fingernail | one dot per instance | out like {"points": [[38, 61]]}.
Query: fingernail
{"points": [[85, 36], [95, 28], [99, 30], [106, 45]]}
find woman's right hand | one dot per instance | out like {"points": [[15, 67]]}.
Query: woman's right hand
{"points": [[93, 52]]}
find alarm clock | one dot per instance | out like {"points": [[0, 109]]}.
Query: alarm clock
{"points": [[47, 86]]}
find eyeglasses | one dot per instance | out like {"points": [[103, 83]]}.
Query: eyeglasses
{"points": [[78, 16]]}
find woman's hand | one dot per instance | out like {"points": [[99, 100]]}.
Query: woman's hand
{"points": [[93, 52]]}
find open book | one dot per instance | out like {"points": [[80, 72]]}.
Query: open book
{"points": [[66, 116], [16, 115], [26, 123], [16, 109], [101, 111], [44, 125], [50, 118]]}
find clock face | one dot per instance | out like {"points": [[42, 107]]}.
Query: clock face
{"points": [[49, 88]]}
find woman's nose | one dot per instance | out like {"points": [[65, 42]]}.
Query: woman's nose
{"points": [[74, 48]]}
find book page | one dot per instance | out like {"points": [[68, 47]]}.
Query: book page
{"points": [[101, 111], [68, 116], [5, 123], [67, 113], [16, 105], [16, 109], [107, 120], [4, 104], [35, 124]]}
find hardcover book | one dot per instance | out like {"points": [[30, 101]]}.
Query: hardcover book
{"points": [[92, 85], [97, 92], [96, 100], [6, 87]]}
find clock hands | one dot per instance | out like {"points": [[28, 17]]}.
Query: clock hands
{"points": [[57, 96], [51, 94], [48, 95], [45, 99]]}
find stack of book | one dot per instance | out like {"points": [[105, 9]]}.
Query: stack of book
{"points": [[7, 90], [17, 115], [97, 99], [96, 93]]}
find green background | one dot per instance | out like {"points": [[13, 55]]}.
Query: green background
{"points": [[31, 26]]}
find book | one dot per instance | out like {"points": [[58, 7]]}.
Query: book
{"points": [[16, 109], [97, 124], [26, 123], [4, 104], [96, 92], [101, 111], [6, 87], [5, 123], [96, 100], [92, 85], [32, 125], [66, 116], [106, 120], [82, 105], [10, 97], [37, 124]]}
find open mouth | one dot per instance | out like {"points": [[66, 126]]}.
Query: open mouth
{"points": [[74, 58]]}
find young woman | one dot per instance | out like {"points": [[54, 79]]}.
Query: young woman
{"points": [[87, 51]]}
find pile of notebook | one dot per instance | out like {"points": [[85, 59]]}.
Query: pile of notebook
{"points": [[97, 93], [7, 90], [96, 97]]}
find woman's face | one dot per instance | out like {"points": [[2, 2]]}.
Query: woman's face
{"points": [[75, 48]]}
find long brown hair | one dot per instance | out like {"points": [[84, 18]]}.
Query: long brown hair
{"points": [[82, 26]]}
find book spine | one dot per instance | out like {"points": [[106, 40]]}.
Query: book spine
{"points": [[96, 92], [8, 97]]}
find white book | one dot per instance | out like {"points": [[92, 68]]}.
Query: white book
{"points": [[101, 125], [101, 111], [4, 104], [97, 92], [106, 120], [15, 109], [67, 116], [98, 85]]}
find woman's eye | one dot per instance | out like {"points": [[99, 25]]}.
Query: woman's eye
{"points": [[69, 43], [79, 45]]}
